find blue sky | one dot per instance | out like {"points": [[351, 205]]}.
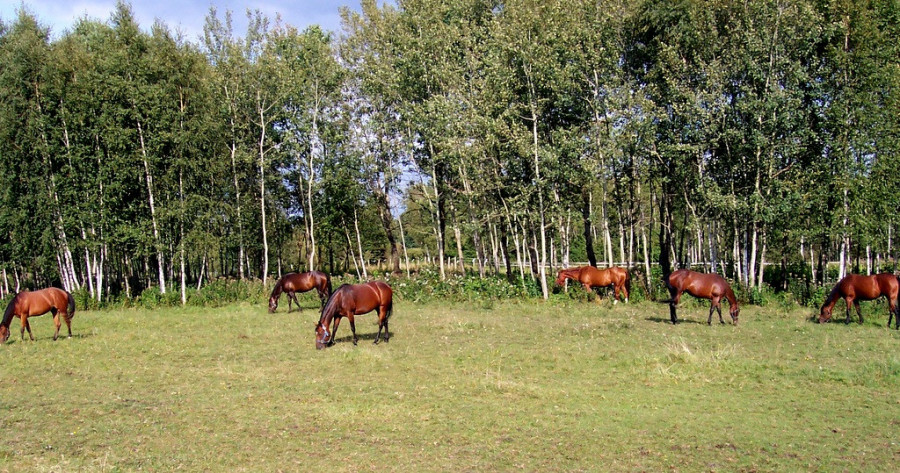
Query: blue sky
{"points": [[184, 15]]}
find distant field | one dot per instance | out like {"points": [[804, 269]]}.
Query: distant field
{"points": [[559, 386]]}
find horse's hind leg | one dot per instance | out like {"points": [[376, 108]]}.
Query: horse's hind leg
{"points": [[382, 323], [858, 312], [672, 304], [58, 324]]}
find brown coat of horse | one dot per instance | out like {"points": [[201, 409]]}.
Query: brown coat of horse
{"points": [[292, 283], [704, 286], [31, 304], [856, 287], [591, 277], [350, 300]]}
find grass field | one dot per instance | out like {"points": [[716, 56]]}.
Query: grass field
{"points": [[558, 386]]}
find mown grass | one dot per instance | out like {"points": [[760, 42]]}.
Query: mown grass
{"points": [[560, 386]]}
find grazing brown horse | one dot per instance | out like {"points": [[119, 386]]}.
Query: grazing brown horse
{"points": [[591, 277], [350, 300], [292, 283], [703, 286], [856, 287], [31, 304]]}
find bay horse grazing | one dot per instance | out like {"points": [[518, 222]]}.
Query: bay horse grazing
{"points": [[292, 283], [703, 286], [856, 287], [591, 277], [350, 300], [31, 304]]}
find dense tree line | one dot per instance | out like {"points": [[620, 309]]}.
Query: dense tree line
{"points": [[496, 137]]}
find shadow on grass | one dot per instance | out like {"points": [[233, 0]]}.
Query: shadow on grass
{"points": [[40, 338], [667, 320], [360, 336]]}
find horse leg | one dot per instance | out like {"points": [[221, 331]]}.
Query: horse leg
{"points": [[587, 287], [296, 301], [615, 294], [353, 329], [382, 323], [672, 304], [849, 303], [26, 325], [715, 303], [858, 312], [58, 324], [334, 327], [68, 318]]}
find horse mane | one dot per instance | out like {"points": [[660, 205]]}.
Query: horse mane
{"points": [[832, 297], [7, 316], [331, 305], [729, 294], [276, 291]]}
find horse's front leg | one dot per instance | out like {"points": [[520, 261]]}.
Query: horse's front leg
{"points": [[26, 325], [334, 327], [296, 301], [849, 303], [353, 328], [715, 303], [615, 294]]}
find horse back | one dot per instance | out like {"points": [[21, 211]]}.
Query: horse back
{"points": [[42, 301]]}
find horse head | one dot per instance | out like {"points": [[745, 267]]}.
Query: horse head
{"points": [[323, 338], [825, 314], [561, 277], [4, 334], [734, 311], [273, 304]]}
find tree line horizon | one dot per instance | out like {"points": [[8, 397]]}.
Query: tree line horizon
{"points": [[484, 136]]}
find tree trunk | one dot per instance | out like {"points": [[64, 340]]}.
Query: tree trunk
{"points": [[362, 258], [149, 178]]}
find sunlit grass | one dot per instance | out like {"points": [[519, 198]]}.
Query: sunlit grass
{"points": [[560, 386]]}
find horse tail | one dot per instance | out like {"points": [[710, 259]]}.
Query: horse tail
{"points": [[70, 311], [328, 285], [628, 282]]}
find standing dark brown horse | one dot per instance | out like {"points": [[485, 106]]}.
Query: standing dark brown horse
{"points": [[856, 287], [591, 277], [704, 286], [292, 283], [31, 304], [350, 300]]}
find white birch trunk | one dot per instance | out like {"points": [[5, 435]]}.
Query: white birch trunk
{"points": [[262, 187], [362, 258], [149, 178]]}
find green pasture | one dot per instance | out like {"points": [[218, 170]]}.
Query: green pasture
{"points": [[564, 385]]}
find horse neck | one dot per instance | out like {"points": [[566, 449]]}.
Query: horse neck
{"points": [[331, 308], [832, 297], [8, 314], [732, 299], [276, 291]]}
